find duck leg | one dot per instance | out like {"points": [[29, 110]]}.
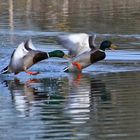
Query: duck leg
{"points": [[78, 65], [30, 72]]}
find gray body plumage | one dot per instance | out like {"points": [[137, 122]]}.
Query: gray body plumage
{"points": [[86, 59]]}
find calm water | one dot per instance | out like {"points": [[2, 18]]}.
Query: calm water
{"points": [[102, 103]]}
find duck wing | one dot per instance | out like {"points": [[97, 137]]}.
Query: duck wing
{"points": [[77, 43]]}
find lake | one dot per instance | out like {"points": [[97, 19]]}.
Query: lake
{"points": [[101, 103]]}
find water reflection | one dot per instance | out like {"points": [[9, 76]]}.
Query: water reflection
{"points": [[74, 106], [70, 15], [96, 16], [25, 94], [117, 118], [62, 105], [85, 92], [45, 19], [85, 95]]}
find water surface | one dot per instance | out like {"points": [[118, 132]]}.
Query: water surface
{"points": [[101, 103]]}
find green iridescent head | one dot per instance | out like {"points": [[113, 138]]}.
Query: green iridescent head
{"points": [[107, 44], [58, 53]]}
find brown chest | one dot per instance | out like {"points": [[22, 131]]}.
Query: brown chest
{"points": [[97, 56]]}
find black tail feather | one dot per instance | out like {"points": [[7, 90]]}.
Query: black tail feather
{"points": [[66, 69], [5, 70], [26, 44]]}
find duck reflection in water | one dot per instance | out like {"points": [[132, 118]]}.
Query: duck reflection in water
{"points": [[86, 92], [98, 89], [69, 100], [77, 91], [33, 91]]}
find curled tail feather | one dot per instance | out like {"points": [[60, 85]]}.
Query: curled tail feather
{"points": [[4, 71], [66, 69]]}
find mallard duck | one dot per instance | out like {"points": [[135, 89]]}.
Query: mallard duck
{"points": [[77, 43], [26, 55], [89, 57]]}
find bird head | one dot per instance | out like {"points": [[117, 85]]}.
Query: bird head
{"points": [[58, 53], [107, 44]]}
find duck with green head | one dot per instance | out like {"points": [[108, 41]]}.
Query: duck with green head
{"points": [[89, 57], [26, 55]]}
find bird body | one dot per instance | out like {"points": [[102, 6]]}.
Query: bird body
{"points": [[89, 57], [26, 55], [77, 43], [84, 60], [23, 57]]}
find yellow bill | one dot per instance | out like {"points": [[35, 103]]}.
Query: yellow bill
{"points": [[66, 56], [113, 47]]}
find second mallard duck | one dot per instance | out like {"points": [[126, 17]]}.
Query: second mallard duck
{"points": [[89, 57]]}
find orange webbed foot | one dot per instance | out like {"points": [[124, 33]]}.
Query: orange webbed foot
{"points": [[78, 65], [32, 73]]}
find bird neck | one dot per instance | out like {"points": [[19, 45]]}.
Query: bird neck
{"points": [[51, 54], [102, 48], [54, 54], [40, 56]]}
